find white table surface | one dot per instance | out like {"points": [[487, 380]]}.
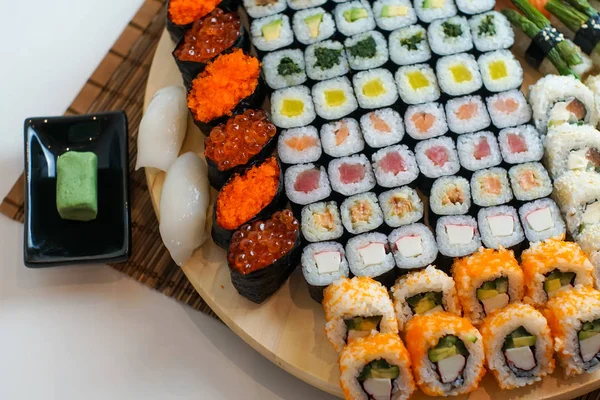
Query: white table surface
{"points": [[91, 332]]}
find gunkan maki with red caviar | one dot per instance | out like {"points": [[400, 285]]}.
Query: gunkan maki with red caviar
{"points": [[182, 13], [262, 255]]}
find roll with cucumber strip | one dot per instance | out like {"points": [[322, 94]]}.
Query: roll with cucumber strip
{"points": [[424, 292], [518, 346], [446, 353], [486, 281], [572, 148], [552, 266], [574, 319], [355, 308], [578, 194], [376, 367]]}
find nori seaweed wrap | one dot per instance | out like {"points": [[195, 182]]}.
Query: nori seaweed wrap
{"points": [[262, 255], [182, 13]]}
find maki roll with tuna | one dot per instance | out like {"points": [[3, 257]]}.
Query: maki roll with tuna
{"points": [[490, 187], [409, 45], [351, 175], [325, 60], [446, 352], [401, 206], [520, 144], [313, 25], [500, 71], [467, 114], [181, 13], [491, 31], [395, 166], [248, 195], [271, 33], [263, 255], [424, 292], [471, 7], [342, 138], [292, 107], [323, 264], [429, 10], [356, 308], [457, 236], [334, 98], [382, 128], [361, 213], [264, 8], [574, 148], [306, 183], [478, 151], [243, 138], [366, 50], [518, 346], [417, 84], [541, 220], [352, 17], [425, 121], [321, 221], [450, 195], [413, 246], [450, 36], [530, 181], [299, 145], [437, 157], [394, 14], [377, 367], [284, 68], [370, 255], [459, 74], [499, 227], [509, 109], [375, 88]]}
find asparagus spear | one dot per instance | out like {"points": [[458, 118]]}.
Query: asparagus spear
{"points": [[531, 30], [583, 6], [572, 18]]}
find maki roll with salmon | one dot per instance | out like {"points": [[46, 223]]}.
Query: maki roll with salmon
{"points": [[299, 145], [409, 45], [459, 75], [518, 346], [573, 148], [425, 121], [467, 114], [394, 14], [491, 31], [381, 128], [395, 166], [262, 255], [446, 352], [478, 151], [356, 308], [552, 266], [342, 138], [450, 36], [376, 367], [351, 175], [541, 220], [424, 292], [401, 206], [520, 144], [242, 139], [252, 194], [487, 281], [306, 183], [322, 264], [370, 255], [181, 13], [499, 227], [490, 187], [530, 181], [508, 109], [413, 246], [321, 221]]}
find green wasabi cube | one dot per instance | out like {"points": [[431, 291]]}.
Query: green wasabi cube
{"points": [[77, 186]]}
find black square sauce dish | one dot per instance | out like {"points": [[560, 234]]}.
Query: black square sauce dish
{"points": [[50, 240]]}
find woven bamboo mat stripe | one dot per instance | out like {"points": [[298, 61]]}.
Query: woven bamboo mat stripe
{"points": [[119, 83]]}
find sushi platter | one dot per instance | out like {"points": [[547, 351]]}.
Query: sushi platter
{"points": [[346, 161]]}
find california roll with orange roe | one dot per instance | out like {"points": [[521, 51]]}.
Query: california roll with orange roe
{"points": [[263, 254], [252, 194], [181, 13], [243, 138], [231, 80]]}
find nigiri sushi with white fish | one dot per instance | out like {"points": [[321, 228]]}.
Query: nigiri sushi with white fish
{"points": [[162, 129], [183, 207]]}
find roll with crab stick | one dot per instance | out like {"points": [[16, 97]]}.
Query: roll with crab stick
{"points": [[356, 308], [376, 367], [446, 352], [370, 255], [322, 264], [518, 346], [486, 281]]}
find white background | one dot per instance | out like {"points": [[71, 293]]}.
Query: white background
{"points": [[90, 332]]}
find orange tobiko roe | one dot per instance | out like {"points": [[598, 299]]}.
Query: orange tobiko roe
{"points": [[246, 195], [222, 85], [183, 12]]}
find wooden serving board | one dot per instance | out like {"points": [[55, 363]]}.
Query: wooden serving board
{"points": [[288, 329]]}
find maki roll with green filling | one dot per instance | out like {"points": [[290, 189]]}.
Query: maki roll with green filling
{"points": [[321, 221], [370, 255], [366, 50], [284, 68], [491, 31], [394, 14], [413, 247], [409, 45], [263, 255], [450, 36], [354, 17], [471, 7], [271, 33], [313, 25], [325, 60], [323, 264], [361, 213]]}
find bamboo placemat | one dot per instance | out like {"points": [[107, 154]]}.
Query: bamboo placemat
{"points": [[119, 83]]}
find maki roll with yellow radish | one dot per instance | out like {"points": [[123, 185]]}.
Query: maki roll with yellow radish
{"points": [[375, 88], [417, 84], [552, 266], [486, 281], [459, 74], [292, 107], [356, 308], [500, 71], [518, 346], [446, 352], [376, 367], [334, 98], [423, 292]]}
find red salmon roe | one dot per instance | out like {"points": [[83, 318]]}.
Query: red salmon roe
{"points": [[259, 244], [239, 139], [209, 36]]}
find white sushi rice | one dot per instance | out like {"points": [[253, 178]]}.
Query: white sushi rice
{"points": [[357, 264], [387, 178], [274, 78], [258, 11], [444, 44], [315, 70], [494, 239], [352, 44], [376, 138], [475, 6], [439, 126], [394, 213], [502, 38], [506, 117], [447, 245], [354, 143], [441, 198], [348, 28], [449, 84], [395, 22], [522, 193], [575, 192], [286, 36], [428, 14], [303, 4], [479, 121], [291, 174], [327, 111], [294, 93], [351, 220], [364, 185], [405, 80], [427, 166], [315, 232], [383, 78], [290, 155], [467, 145], [309, 265], [427, 253], [564, 146], [301, 30], [409, 45], [534, 150], [479, 187], [513, 77], [589, 240]]}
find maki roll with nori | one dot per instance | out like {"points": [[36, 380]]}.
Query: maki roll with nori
{"points": [[366, 50], [413, 246], [541, 220], [248, 195], [263, 255], [321, 221], [437, 157], [325, 60], [395, 166], [409, 45], [292, 107], [354, 17], [490, 187], [264, 8], [271, 33], [342, 138], [382, 128], [520, 144], [361, 213], [450, 36], [299, 145], [322, 264], [334, 98], [478, 151], [303, 4], [181, 13], [394, 14], [471, 7], [530, 181], [370, 255], [284, 68], [425, 121], [572, 148], [351, 175], [499, 226], [243, 138], [429, 10], [375, 88], [450, 195], [459, 74], [509, 109], [491, 31], [457, 235], [401, 206], [313, 25], [417, 84], [500, 71], [306, 183], [467, 114]]}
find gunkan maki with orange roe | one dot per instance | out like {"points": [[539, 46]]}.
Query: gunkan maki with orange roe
{"points": [[263, 254], [243, 138], [230, 82], [181, 13], [251, 194]]}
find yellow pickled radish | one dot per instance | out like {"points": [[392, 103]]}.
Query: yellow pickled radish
{"points": [[417, 80], [335, 98], [460, 73], [292, 107], [373, 88], [498, 70]]}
